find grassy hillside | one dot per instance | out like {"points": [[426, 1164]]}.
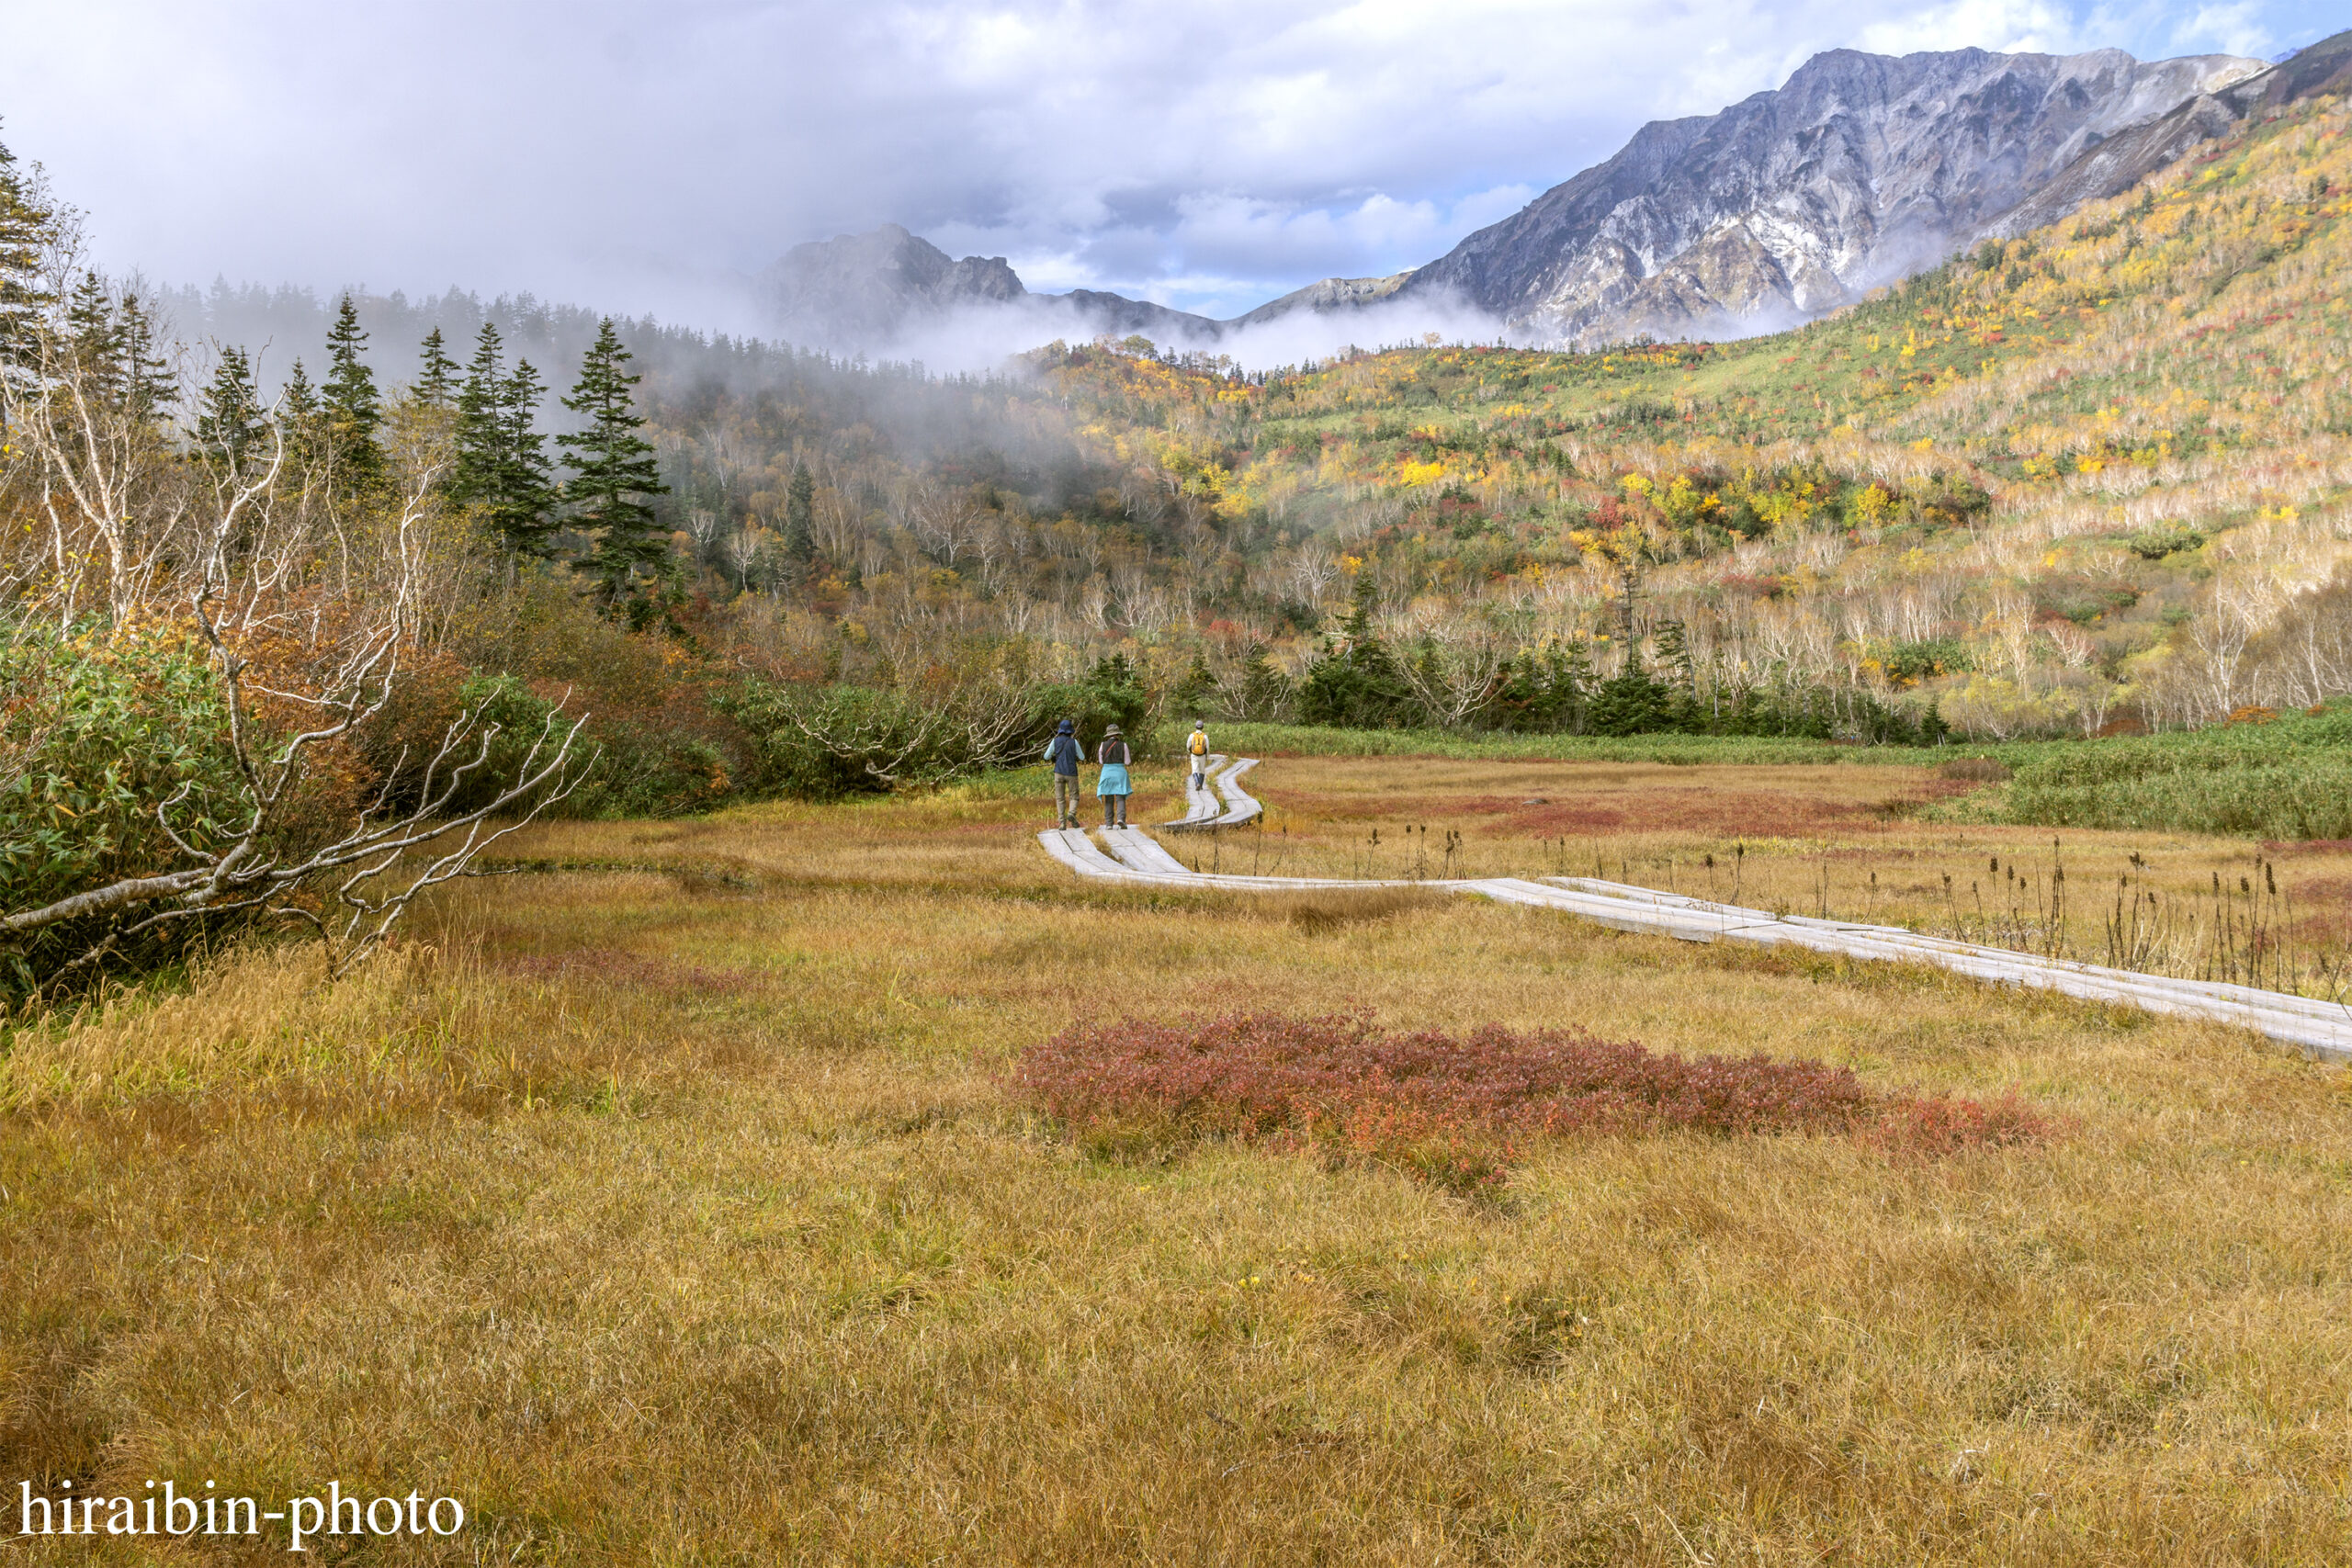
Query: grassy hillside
{"points": [[2061, 482]]}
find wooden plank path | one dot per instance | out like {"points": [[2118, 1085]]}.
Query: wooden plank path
{"points": [[1201, 808], [2321, 1028]]}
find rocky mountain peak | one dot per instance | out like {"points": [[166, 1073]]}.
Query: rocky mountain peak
{"points": [[1861, 168], [856, 291]]}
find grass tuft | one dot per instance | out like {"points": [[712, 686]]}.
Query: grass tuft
{"points": [[1325, 911]]}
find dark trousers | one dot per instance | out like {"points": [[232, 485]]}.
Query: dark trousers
{"points": [[1114, 811]]}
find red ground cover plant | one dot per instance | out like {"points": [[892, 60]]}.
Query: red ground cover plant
{"points": [[1455, 1108]]}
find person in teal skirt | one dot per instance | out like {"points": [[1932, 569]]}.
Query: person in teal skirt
{"points": [[1111, 784]]}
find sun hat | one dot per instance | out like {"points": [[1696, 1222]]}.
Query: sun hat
{"points": [[1064, 729], [1109, 732]]}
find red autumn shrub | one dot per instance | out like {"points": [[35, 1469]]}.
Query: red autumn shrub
{"points": [[1942, 1125], [1456, 1106]]}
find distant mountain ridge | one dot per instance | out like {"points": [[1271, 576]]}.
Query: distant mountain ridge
{"points": [[867, 291], [1860, 169]]}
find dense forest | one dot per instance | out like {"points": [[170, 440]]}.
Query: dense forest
{"points": [[277, 565]]}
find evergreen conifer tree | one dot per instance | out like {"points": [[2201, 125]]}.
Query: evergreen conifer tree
{"points": [[479, 422], [523, 506], [147, 383], [502, 462], [302, 398], [1266, 692], [1572, 681], [25, 227], [1356, 685], [114, 343], [800, 514], [1358, 628], [613, 470], [436, 387], [299, 410], [350, 404], [229, 419], [1631, 702], [90, 327], [1196, 690]]}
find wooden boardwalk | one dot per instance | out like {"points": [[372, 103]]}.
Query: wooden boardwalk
{"points": [[1204, 809], [1130, 856]]}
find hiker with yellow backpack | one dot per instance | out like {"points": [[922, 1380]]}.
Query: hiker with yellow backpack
{"points": [[1199, 746]]}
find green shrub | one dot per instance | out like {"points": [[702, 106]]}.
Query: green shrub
{"points": [[2163, 539], [1358, 687], [1111, 693], [95, 731], [824, 742], [2310, 797], [2291, 779], [661, 741], [787, 760]]}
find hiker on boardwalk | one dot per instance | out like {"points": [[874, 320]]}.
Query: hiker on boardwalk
{"points": [[1111, 784], [1199, 746], [1065, 753]]}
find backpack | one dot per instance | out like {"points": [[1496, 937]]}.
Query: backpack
{"points": [[1200, 744]]}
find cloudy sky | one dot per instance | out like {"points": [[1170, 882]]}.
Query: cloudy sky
{"points": [[636, 157]]}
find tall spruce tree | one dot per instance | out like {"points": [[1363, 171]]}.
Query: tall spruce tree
{"points": [[24, 228], [90, 329], [1194, 693], [525, 506], [502, 463], [1363, 600], [112, 340], [613, 471], [349, 399], [229, 422], [1266, 692], [299, 408], [1356, 684], [148, 388], [436, 386], [800, 514], [475, 474]]}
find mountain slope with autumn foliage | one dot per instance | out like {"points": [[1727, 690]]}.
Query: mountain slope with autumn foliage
{"points": [[2092, 473]]}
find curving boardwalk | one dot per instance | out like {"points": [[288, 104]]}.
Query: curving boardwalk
{"points": [[2322, 1029], [1203, 810]]}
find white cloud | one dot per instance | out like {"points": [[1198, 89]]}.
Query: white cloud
{"points": [[2233, 29], [2009, 26]]}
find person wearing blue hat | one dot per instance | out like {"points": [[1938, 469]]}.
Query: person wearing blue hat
{"points": [[1065, 753], [1111, 784]]}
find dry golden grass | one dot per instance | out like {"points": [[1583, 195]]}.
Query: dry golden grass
{"points": [[674, 1212], [1849, 842]]}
